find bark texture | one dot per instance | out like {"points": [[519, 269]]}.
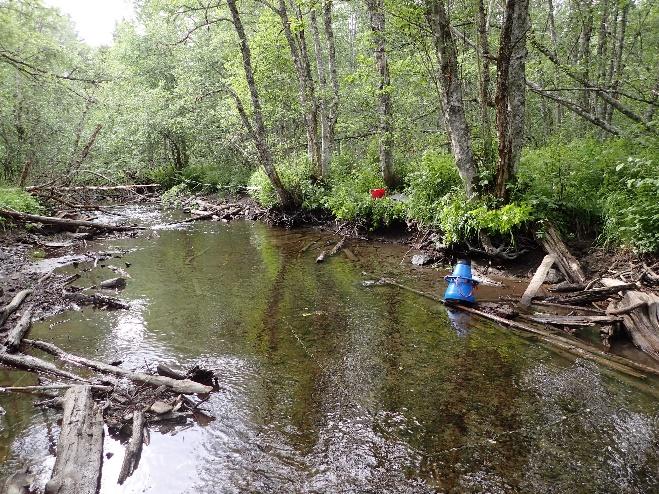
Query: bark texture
{"points": [[452, 99], [79, 460], [376, 15], [510, 99], [258, 133]]}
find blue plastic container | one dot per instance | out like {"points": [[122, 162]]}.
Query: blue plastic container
{"points": [[460, 284]]}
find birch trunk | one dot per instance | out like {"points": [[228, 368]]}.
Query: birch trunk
{"points": [[259, 132], [485, 96], [452, 103], [377, 18], [618, 60], [510, 97], [297, 45], [325, 147]]}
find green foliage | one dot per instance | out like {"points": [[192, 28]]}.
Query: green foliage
{"points": [[609, 183], [296, 176], [173, 196], [18, 200], [460, 219], [631, 210], [433, 177]]}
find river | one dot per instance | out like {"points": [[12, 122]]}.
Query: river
{"points": [[330, 386]]}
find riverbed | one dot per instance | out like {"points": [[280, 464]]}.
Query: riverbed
{"points": [[328, 384]]}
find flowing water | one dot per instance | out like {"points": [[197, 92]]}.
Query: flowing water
{"points": [[327, 385]]}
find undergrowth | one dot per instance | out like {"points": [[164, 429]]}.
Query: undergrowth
{"points": [[18, 200]]}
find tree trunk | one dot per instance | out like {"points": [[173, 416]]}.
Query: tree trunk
{"points": [[602, 49], [551, 21], [306, 91], [333, 104], [454, 111], [618, 65], [259, 132], [79, 459], [483, 55], [377, 19], [510, 97], [325, 147]]}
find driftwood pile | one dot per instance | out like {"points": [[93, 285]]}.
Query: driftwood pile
{"points": [[127, 401], [614, 304], [225, 212]]}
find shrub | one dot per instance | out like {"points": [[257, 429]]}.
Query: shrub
{"points": [[631, 210], [433, 177], [296, 176], [18, 200], [202, 178]]}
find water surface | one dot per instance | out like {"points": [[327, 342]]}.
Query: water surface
{"points": [[330, 386]]}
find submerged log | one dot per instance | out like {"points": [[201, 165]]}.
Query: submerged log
{"points": [[537, 280], [572, 346], [79, 459], [12, 306], [97, 300], [13, 339], [339, 245], [65, 223], [553, 243], [640, 315], [183, 386], [134, 448], [117, 283]]}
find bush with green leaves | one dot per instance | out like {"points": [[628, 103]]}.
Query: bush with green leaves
{"points": [[433, 177], [18, 200], [631, 209], [296, 176], [460, 219]]}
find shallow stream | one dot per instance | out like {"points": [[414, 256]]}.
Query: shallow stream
{"points": [[327, 385]]}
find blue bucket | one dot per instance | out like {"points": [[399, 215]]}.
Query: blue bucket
{"points": [[460, 284]]}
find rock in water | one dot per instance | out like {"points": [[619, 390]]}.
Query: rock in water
{"points": [[422, 259], [113, 283]]}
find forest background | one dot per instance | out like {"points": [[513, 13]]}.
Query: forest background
{"points": [[480, 117]]}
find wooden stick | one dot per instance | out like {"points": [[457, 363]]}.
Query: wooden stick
{"points": [[11, 307], [183, 386], [593, 295], [48, 220], [79, 459], [537, 280], [13, 339], [134, 448], [566, 306], [572, 346]]}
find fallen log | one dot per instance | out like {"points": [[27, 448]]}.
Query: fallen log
{"points": [[594, 295], [567, 306], [134, 448], [79, 459], [537, 280], [566, 287], [14, 337], [339, 245], [168, 371], [640, 315], [553, 243], [34, 364], [11, 307], [95, 187], [96, 299], [65, 223], [182, 386], [574, 347], [557, 320], [50, 387]]}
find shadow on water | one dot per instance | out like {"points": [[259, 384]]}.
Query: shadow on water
{"points": [[327, 386]]}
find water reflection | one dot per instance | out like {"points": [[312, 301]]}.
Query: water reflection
{"points": [[327, 386]]}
